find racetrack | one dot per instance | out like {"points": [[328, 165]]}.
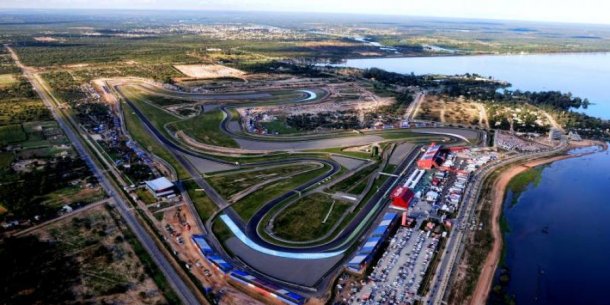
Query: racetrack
{"points": [[248, 238]]}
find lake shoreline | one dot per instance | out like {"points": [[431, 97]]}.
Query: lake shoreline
{"points": [[583, 74], [500, 185], [559, 53]]}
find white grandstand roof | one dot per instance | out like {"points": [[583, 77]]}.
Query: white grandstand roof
{"points": [[159, 184]]}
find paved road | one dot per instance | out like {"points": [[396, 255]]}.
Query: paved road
{"points": [[341, 242], [250, 228], [179, 286], [450, 258]]}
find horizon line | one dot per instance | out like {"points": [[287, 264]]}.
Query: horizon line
{"points": [[191, 10]]}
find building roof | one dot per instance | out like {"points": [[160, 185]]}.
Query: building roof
{"points": [[402, 192], [159, 184], [202, 243], [431, 152], [358, 259]]}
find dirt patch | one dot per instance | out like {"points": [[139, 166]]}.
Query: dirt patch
{"points": [[209, 71], [46, 39], [109, 270], [452, 110]]}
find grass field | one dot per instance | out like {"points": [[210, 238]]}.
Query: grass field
{"points": [[234, 114], [5, 160], [356, 183], [72, 194], [11, 134], [229, 184], [279, 126], [165, 101], [342, 151], [251, 203], [204, 206], [303, 220], [7, 80], [137, 131], [146, 196], [405, 134], [19, 110], [205, 128], [221, 230], [155, 115]]}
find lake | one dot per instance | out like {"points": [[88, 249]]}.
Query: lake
{"points": [[558, 237], [586, 75], [558, 242]]}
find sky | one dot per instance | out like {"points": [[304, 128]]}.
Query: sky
{"points": [[572, 11]]}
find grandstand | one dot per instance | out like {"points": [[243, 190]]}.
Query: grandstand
{"points": [[266, 289], [211, 255], [368, 252]]}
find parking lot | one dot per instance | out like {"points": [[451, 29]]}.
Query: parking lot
{"points": [[398, 275]]}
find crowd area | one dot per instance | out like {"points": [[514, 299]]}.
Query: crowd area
{"points": [[508, 141]]}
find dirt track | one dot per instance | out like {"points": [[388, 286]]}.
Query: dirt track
{"points": [[481, 292]]}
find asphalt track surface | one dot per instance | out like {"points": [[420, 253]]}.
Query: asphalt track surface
{"points": [[250, 227], [322, 141], [221, 202], [339, 243]]}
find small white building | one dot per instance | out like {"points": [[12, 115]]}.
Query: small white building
{"points": [[431, 196], [161, 187]]}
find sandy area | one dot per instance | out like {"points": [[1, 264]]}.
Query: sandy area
{"points": [[45, 39], [209, 71], [481, 292]]}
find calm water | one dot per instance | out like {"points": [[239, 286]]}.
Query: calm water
{"points": [[585, 75], [558, 245]]}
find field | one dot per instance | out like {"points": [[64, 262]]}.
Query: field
{"points": [[156, 115], [73, 194], [247, 206], [36, 138], [145, 196], [279, 126], [230, 183], [304, 220], [7, 80], [11, 134], [138, 132], [87, 259], [209, 71], [205, 128], [204, 206], [357, 182]]}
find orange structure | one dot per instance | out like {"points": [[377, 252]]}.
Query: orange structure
{"points": [[429, 159]]}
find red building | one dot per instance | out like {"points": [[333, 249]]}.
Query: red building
{"points": [[430, 157], [401, 197]]}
